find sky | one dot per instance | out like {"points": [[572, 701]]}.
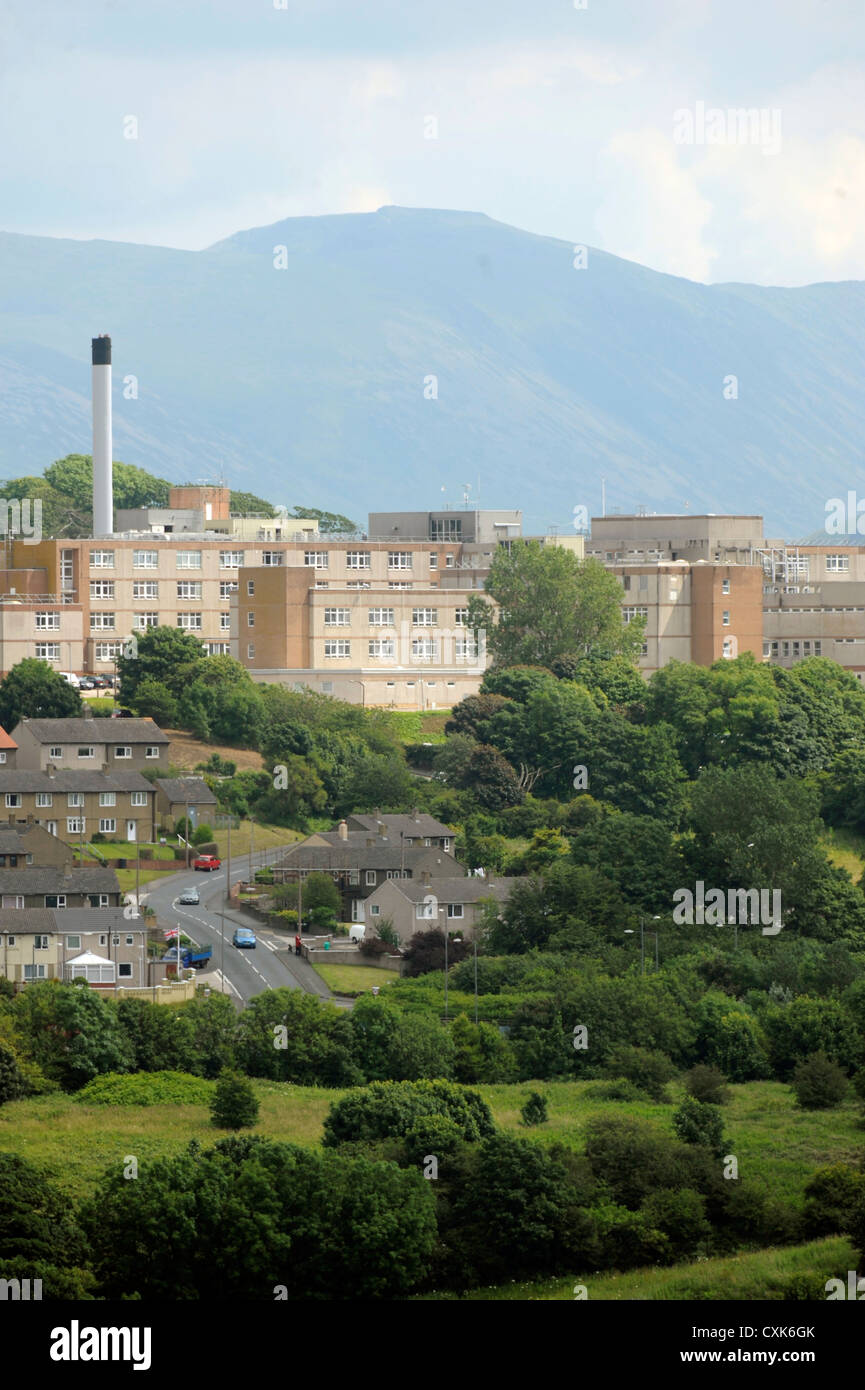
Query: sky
{"points": [[180, 122]]}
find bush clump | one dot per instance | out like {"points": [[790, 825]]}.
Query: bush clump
{"points": [[534, 1112], [707, 1084], [819, 1084], [146, 1088], [234, 1104]]}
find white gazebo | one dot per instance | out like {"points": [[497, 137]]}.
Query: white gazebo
{"points": [[96, 970]]}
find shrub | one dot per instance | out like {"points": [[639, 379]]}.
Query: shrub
{"points": [[205, 846], [830, 1196], [617, 1090], [12, 1083], [202, 835], [649, 1071], [633, 1158], [697, 1123], [235, 1104], [707, 1084], [819, 1083], [389, 1109], [146, 1088], [534, 1112], [680, 1215]]}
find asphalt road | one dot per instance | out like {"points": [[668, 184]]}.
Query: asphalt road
{"points": [[246, 972]]}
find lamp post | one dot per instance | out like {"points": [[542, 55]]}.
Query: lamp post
{"points": [[457, 941], [629, 932]]}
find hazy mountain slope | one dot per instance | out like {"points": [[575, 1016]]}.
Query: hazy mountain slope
{"points": [[308, 383]]}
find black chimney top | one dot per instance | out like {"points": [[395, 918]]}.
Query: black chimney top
{"points": [[101, 351]]}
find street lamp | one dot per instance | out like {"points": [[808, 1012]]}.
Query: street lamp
{"points": [[629, 932], [457, 942]]}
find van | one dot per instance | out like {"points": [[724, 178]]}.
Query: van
{"points": [[357, 932], [70, 678]]}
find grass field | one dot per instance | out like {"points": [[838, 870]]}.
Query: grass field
{"points": [[775, 1142], [421, 726], [354, 979], [759, 1275], [186, 752], [846, 849], [129, 851]]}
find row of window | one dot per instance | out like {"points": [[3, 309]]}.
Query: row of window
{"points": [[422, 648], [386, 617], [361, 560], [146, 588], [801, 648], [14, 800], [121, 750], [58, 900]]}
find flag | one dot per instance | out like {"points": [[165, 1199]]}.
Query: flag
{"points": [[172, 932]]}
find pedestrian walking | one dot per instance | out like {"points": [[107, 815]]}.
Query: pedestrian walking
{"points": [[297, 945]]}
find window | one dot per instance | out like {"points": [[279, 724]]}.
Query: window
{"points": [[231, 559], [34, 972], [250, 588], [107, 826], [455, 909], [725, 618], [73, 943], [74, 798], [349, 584], [461, 616], [190, 622], [433, 561], [818, 648], [449, 562], [424, 617], [374, 910], [48, 622], [725, 586], [107, 651], [40, 943], [465, 649], [98, 900], [102, 559], [424, 649], [337, 647], [399, 560], [316, 559], [100, 622], [48, 651], [44, 799], [381, 617], [628, 614], [250, 620], [447, 528], [354, 876], [337, 617], [189, 588], [151, 751], [225, 622], [138, 799], [87, 752], [55, 900], [142, 621], [13, 800], [145, 559], [227, 587], [107, 798], [189, 559], [728, 647], [124, 970], [357, 559], [11, 940], [272, 557], [102, 588], [145, 588], [837, 564], [382, 648], [123, 750], [250, 651], [370, 878], [399, 584]]}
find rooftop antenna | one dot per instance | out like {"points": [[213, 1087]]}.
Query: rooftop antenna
{"points": [[467, 487]]}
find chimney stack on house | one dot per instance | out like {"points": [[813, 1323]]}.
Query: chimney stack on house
{"points": [[342, 830]]}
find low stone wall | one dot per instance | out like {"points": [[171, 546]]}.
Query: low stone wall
{"points": [[160, 994], [347, 955]]}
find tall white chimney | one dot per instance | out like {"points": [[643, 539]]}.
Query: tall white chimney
{"points": [[103, 482]]}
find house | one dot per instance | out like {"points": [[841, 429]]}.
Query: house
{"points": [[96, 745], [26, 842], [58, 886], [416, 828], [77, 804], [176, 795], [419, 904], [8, 749], [358, 862], [104, 948]]}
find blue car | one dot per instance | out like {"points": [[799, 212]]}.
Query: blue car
{"points": [[243, 937]]}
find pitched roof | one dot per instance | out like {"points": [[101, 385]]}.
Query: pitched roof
{"points": [[51, 878], [93, 730], [417, 823], [182, 789], [79, 920], [6, 740], [14, 779], [383, 854], [11, 837], [453, 890]]}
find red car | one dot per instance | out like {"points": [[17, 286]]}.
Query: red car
{"points": [[207, 862]]}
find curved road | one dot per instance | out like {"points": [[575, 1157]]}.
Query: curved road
{"points": [[245, 972]]}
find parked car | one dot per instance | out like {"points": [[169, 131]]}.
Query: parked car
{"points": [[207, 863], [243, 937], [101, 682], [87, 683], [189, 896]]}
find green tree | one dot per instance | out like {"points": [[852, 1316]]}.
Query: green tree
{"points": [[551, 603], [235, 1104], [329, 523], [389, 1109], [165, 654], [70, 1032], [695, 1122], [481, 1053], [534, 1111], [33, 690], [155, 701], [819, 1083], [286, 1035], [12, 1083]]}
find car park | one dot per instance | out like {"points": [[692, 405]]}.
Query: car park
{"points": [[243, 937]]}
